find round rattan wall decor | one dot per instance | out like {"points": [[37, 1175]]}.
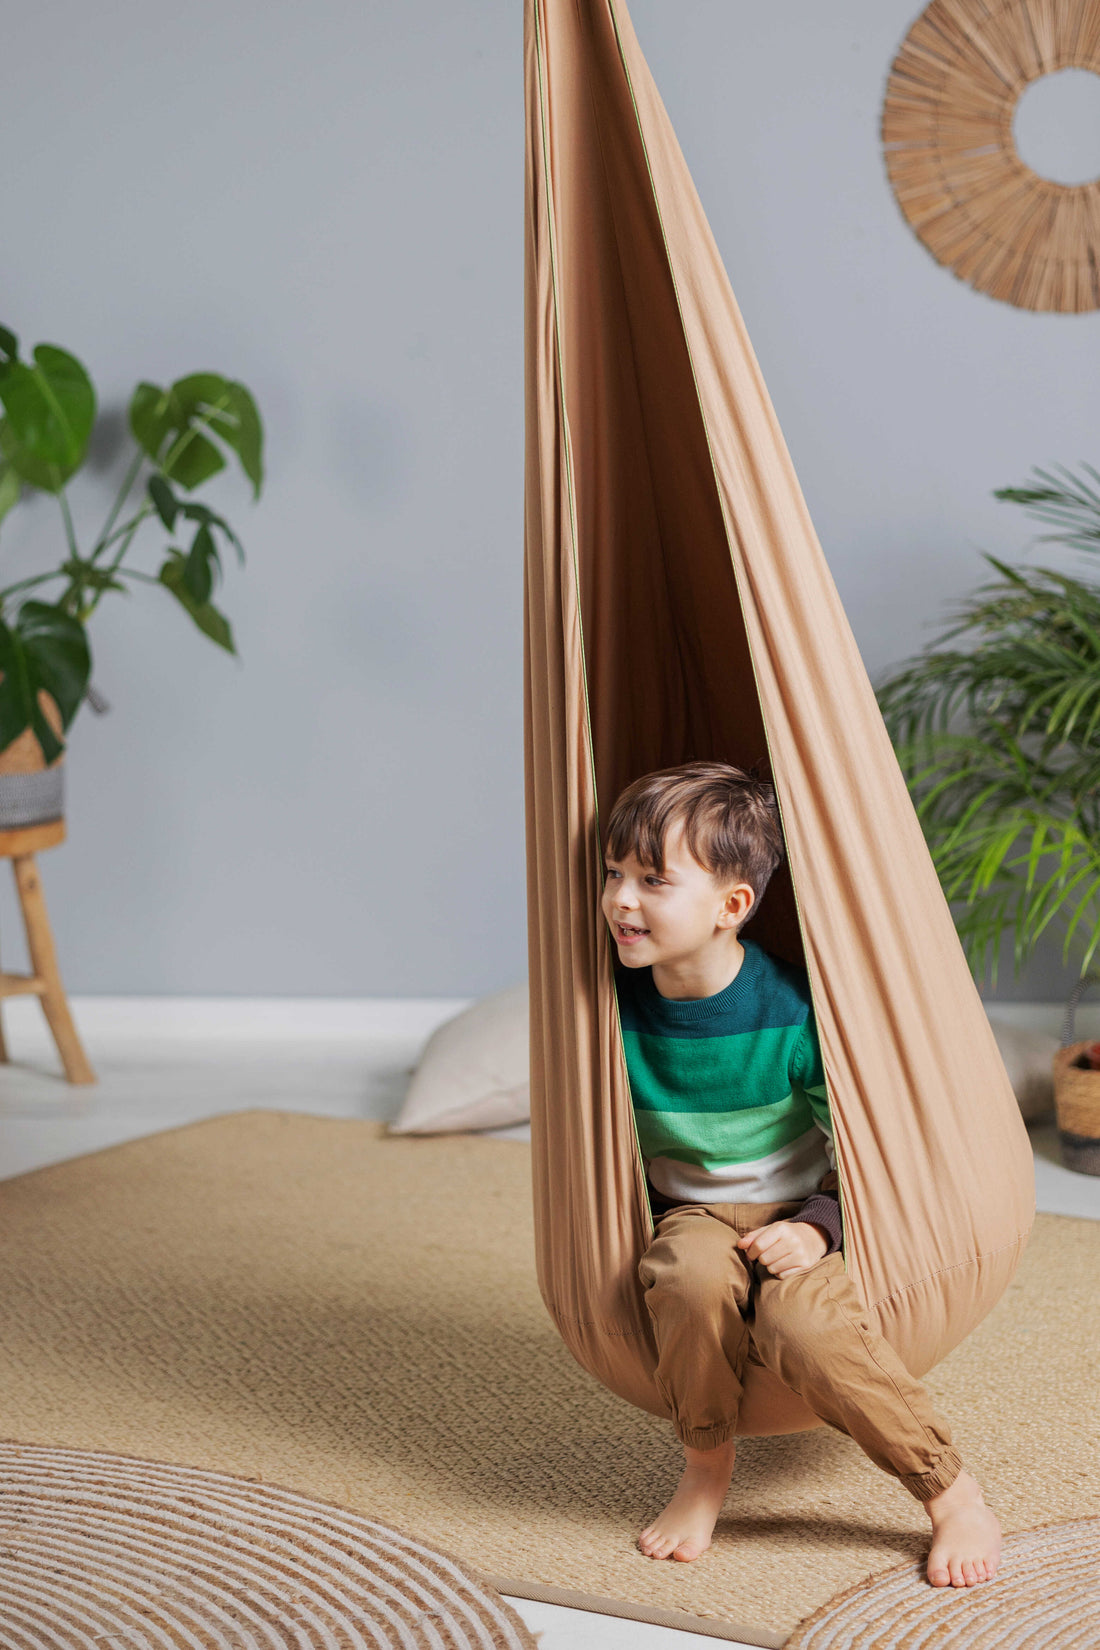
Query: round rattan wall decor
{"points": [[952, 160]]}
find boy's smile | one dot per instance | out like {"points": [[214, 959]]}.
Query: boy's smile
{"points": [[680, 921]]}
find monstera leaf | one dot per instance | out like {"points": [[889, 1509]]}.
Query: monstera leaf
{"points": [[191, 575], [175, 426], [186, 433], [177, 575], [49, 412], [10, 488], [45, 648]]}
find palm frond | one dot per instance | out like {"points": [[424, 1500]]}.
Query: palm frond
{"points": [[997, 731], [1059, 886], [1073, 509]]}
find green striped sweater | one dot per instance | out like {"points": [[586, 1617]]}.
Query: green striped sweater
{"points": [[729, 1091]]}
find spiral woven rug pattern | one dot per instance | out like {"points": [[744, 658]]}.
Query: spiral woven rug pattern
{"points": [[100, 1550], [308, 1303], [1050, 1574]]}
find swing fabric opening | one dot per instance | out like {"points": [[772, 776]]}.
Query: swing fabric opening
{"points": [[677, 605]]}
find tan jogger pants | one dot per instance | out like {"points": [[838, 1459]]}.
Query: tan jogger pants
{"points": [[706, 1298]]}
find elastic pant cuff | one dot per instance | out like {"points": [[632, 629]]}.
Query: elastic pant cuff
{"points": [[924, 1485], [705, 1437]]}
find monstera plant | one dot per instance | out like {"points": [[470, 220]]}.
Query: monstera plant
{"points": [[183, 435]]}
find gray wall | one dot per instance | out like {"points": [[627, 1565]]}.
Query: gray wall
{"points": [[326, 203]]}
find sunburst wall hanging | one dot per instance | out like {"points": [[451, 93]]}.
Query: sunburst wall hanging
{"points": [[952, 160]]}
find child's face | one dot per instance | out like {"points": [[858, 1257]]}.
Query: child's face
{"points": [[672, 916]]}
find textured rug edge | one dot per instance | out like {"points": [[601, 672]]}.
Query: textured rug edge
{"points": [[194, 1124], [705, 1626], [914, 1566], [258, 1480]]}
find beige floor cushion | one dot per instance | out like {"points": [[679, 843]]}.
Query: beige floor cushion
{"points": [[473, 1073]]}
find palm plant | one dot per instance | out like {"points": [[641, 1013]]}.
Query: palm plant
{"points": [[999, 741]]}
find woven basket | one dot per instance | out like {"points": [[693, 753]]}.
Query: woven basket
{"points": [[31, 793], [1077, 1093]]}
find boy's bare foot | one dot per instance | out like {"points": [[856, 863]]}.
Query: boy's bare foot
{"points": [[966, 1536], [684, 1529]]}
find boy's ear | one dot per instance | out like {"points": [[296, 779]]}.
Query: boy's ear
{"points": [[739, 902]]}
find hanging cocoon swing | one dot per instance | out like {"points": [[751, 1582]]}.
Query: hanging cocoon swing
{"points": [[677, 606]]}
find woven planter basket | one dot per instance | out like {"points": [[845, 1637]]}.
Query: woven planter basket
{"points": [[31, 791], [1077, 1094]]}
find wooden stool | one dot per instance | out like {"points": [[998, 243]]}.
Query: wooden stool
{"points": [[20, 847]]}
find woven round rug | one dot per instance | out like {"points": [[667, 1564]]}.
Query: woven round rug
{"points": [[1043, 1597], [125, 1554]]}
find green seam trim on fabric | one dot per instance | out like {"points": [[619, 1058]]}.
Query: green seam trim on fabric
{"points": [[722, 508], [571, 491], [570, 485]]}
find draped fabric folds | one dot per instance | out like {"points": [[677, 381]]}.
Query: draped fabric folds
{"points": [[677, 605]]}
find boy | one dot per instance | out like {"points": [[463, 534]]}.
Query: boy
{"points": [[733, 1121]]}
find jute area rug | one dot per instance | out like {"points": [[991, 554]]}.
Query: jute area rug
{"points": [[317, 1307]]}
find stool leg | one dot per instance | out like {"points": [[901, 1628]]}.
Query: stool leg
{"points": [[44, 965], [3, 1045]]}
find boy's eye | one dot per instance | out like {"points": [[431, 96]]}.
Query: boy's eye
{"points": [[657, 880]]}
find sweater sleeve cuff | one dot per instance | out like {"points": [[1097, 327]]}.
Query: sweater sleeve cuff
{"points": [[823, 1210]]}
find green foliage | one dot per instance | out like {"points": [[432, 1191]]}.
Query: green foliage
{"points": [[999, 741], [50, 409], [173, 427], [174, 575], [48, 649], [183, 434]]}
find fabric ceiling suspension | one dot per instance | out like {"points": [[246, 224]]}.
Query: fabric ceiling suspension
{"points": [[677, 605]]}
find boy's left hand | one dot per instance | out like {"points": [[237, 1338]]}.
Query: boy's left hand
{"points": [[786, 1247]]}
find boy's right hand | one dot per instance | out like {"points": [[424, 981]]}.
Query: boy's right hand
{"points": [[785, 1247]]}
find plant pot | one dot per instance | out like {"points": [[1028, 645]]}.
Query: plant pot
{"points": [[1077, 1109], [31, 791]]}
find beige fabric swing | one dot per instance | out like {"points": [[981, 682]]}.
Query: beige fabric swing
{"points": [[677, 605]]}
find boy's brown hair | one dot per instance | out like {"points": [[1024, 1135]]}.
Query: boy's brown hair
{"points": [[730, 819]]}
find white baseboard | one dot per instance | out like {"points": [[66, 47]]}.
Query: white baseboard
{"points": [[250, 1019], [1045, 1017]]}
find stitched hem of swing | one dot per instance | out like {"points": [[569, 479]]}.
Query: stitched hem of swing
{"points": [[957, 1266], [594, 1323]]}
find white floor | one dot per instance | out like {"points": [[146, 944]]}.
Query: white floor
{"points": [[165, 1062]]}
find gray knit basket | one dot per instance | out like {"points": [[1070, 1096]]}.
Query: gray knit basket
{"points": [[31, 798]]}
